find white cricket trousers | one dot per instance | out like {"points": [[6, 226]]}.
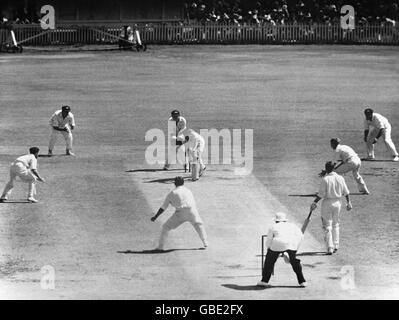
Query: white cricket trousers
{"points": [[198, 150], [178, 218], [53, 139], [330, 213], [386, 135], [18, 169], [353, 165]]}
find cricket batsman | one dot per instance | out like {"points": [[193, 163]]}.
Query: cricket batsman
{"points": [[195, 145], [332, 189]]}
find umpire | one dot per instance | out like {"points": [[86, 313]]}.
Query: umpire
{"points": [[282, 237]]}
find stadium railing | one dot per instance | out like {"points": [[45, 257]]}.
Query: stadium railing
{"points": [[172, 33]]}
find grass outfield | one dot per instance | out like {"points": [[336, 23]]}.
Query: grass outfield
{"points": [[295, 98]]}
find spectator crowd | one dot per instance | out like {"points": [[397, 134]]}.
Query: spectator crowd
{"points": [[290, 11], [19, 14], [258, 12]]}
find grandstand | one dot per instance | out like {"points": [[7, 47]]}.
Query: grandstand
{"points": [[220, 11], [291, 11], [75, 11]]}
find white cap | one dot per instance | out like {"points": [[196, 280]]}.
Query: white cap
{"points": [[280, 216]]}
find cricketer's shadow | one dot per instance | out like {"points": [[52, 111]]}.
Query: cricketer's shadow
{"points": [[375, 160], [53, 155], [156, 251], [15, 201], [166, 180], [312, 195], [253, 287], [310, 254], [152, 170]]}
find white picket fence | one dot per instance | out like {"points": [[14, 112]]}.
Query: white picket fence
{"points": [[162, 33]]}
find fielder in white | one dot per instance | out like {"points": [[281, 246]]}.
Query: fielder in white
{"points": [[195, 145], [62, 121], [376, 126], [179, 124], [186, 211], [349, 161], [332, 189], [24, 167]]}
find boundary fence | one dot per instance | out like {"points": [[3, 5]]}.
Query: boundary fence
{"points": [[66, 34]]}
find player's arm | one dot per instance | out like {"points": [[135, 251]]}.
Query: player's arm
{"points": [[72, 122], [337, 165], [269, 240], [161, 209], [321, 194], [379, 134], [366, 133], [54, 123], [366, 130], [60, 129], [179, 141], [313, 206], [36, 173], [348, 202]]}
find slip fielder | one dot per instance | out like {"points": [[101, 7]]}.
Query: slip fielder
{"points": [[376, 126], [24, 167], [62, 121], [349, 161]]}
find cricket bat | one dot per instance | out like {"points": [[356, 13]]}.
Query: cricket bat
{"points": [[306, 222]]}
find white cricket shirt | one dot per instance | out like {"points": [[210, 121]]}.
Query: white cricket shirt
{"points": [[195, 140], [180, 198], [333, 186], [28, 160], [284, 236], [58, 121], [345, 152], [377, 121]]}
